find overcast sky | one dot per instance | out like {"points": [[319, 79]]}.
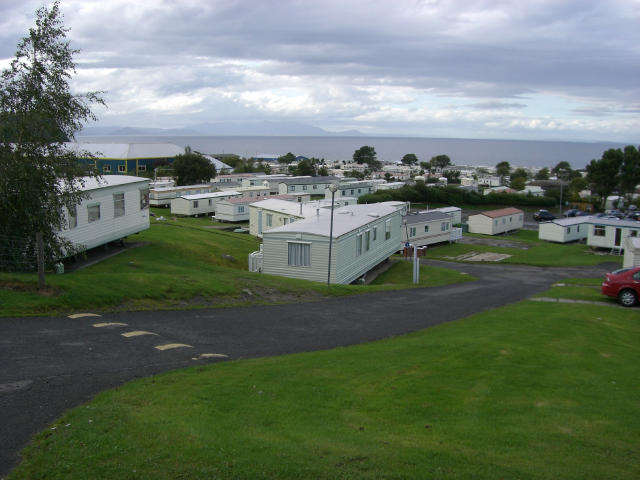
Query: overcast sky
{"points": [[522, 69]]}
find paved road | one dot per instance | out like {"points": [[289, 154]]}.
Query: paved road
{"points": [[49, 365]]}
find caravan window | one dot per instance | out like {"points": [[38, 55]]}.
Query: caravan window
{"points": [[144, 198], [73, 217], [375, 233], [93, 212], [122, 168], [367, 240], [299, 254], [387, 230], [195, 204], [412, 231], [118, 204], [358, 245], [269, 219], [599, 230]]}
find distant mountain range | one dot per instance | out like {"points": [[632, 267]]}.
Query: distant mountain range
{"points": [[225, 129]]}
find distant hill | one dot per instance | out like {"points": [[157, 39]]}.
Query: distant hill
{"points": [[249, 129]]}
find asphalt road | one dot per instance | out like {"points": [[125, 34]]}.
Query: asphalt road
{"points": [[48, 365]]}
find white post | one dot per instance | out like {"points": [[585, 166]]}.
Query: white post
{"points": [[416, 266]]}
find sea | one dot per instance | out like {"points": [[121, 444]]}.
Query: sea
{"points": [[472, 152]]}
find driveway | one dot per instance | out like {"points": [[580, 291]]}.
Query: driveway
{"points": [[52, 364]]}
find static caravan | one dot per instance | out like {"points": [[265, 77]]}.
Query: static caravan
{"points": [[234, 209], [118, 206], [564, 230], [495, 222], [312, 185], [201, 204], [631, 252], [426, 228], [455, 213], [162, 196], [353, 189], [363, 237], [611, 233]]}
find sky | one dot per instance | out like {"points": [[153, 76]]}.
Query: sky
{"points": [[522, 69]]}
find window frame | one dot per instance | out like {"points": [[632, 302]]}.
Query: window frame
{"points": [[119, 205], [301, 254]]}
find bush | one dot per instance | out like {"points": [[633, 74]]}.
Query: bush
{"points": [[420, 193]]}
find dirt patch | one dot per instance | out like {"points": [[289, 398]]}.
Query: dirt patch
{"points": [[16, 286], [494, 242], [252, 296], [480, 257]]}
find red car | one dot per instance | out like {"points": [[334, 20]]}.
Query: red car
{"points": [[624, 284]]}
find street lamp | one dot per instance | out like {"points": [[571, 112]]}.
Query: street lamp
{"points": [[333, 188]]}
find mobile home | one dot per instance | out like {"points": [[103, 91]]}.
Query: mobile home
{"points": [[426, 228], [363, 236], [495, 222], [611, 233], [117, 206], [564, 230], [200, 204]]}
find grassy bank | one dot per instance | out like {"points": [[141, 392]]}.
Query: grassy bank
{"points": [[533, 252], [185, 263], [532, 390]]}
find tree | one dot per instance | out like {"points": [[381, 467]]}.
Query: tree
{"points": [[305, 167], [452, 176], [503, 169], [629, 170], [323, 171], [39, 175], [520, 173], [426, 166], [440, 161], [409, 159], [542, 174], [367, 154], [563, 171], [603, 174], [518, 183], [192, 168], [287, 159]]}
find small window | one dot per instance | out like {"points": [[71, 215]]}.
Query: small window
{"points": [[122, 168], [599, 231], [520, 218], [633, 233], [367, 240], [304, 187], [142, 168], [210, 201], [118, 204], [387, 230], [504, 221], [578, 228], [426, 229], [292, 188], [73, 217], [144, 198], [375, 233], [106, 168], [568, 229], [444, 226], [285, 221], [269, 219], [299, 254], [196, 204], [241, 209], [315, 187], [358, 245], [412, 231], [93, 212]]}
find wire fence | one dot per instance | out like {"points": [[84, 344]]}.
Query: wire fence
{"points": [[18, 254]]}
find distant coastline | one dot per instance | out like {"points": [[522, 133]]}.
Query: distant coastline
{"points": [[478, 152]]}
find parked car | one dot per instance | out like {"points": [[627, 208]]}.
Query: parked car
{"points": [[574, 212], [633, 215], [543, 216], [623, 284], [615, 213]]}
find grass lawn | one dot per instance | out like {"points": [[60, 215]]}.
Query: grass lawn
{"points": [[528, 391], [186, 264], [538, 253], [401, 272]]}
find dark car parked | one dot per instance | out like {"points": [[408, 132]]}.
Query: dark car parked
{"points": [[623, 284], [574, 212], [543, 216]]}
